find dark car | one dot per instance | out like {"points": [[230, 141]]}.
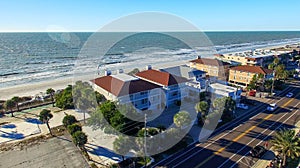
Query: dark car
{"points": [[258, 151]]}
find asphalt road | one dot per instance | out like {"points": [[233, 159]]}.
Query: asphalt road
{"points": [[230, 146]]}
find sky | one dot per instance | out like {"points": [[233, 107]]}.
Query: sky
{"points": [[91, 15]]}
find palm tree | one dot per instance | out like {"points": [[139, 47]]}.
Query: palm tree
{"points": [[9, 104], [182, 119], [287, 143], [84, 97], [45, 116], [276, 61], [202, 108], [285, 75], [16, 100], [51, 92]]}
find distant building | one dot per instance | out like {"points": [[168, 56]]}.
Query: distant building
{"points": [[242, 75], [220, 90], [127, 89], [215, 69], [258, 57]]}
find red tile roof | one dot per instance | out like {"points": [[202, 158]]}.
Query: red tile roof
{"points": [[120, 88], [208, 61], [159, 77], [252, 69]]}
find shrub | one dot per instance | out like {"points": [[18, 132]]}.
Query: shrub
{"points": [[79, 138], [74, 128], [69, 120]]}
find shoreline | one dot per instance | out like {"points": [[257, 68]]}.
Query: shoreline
{"points": [[32, 89]]}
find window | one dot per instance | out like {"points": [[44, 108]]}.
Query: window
{"points": [[248, 73], [144, 101]]}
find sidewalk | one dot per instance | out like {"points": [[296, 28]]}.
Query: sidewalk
{"points": [[26, 124]]}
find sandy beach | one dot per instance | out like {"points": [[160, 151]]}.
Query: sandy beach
{"points": [[32, 89]]}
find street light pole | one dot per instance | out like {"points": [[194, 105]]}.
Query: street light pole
{"points": [[145, 139]]}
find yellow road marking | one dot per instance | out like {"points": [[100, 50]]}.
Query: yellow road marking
{"points": [[242, 135]]}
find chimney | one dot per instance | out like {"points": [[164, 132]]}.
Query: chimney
{"points": [[107, 72], [198, 57], [120, 71], [148, 67]]}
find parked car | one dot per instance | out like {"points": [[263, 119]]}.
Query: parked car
{"points": [[242, 106], [258, 151], [290, 94], [272, 107], [252, 93]]}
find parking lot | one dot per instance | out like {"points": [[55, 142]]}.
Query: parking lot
{"points": [[56, 152]]}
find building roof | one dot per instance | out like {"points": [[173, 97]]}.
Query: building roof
{"points": [[252, 69], [161, 78], [124, 77], [183, 71], [118, 87], [208, 61], [223, 88]]}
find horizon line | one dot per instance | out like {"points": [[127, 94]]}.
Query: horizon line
{"points": [[89, 31]]}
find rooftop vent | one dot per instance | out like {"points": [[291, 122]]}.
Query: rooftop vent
{"points": [[107, 72]]}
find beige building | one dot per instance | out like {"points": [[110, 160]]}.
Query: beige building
{"points": [[213, 67], [258, 57], [242, 75]]}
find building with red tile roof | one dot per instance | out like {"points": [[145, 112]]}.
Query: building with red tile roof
{"points": [[160, 77], [128, 89], [242, 75]]}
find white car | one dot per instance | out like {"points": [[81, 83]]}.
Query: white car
{"points": [[290, 94], [242, 106], [272, 107]]}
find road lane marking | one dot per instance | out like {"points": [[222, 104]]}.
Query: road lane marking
{"points": [[268, 135], [261, 133], [216, 138], [234, 122], [255, 139], [199, 144], [242, 135], [234, 140]]}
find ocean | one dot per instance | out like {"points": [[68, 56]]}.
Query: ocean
{"points": [[33, 57]]}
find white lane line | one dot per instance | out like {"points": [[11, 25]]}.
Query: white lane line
{"points": [[251, 141], [267, 135], [178, 156], [190, 156]]}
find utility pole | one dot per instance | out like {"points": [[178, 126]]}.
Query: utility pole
{"points": [[272, 90], [145, 139]]}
